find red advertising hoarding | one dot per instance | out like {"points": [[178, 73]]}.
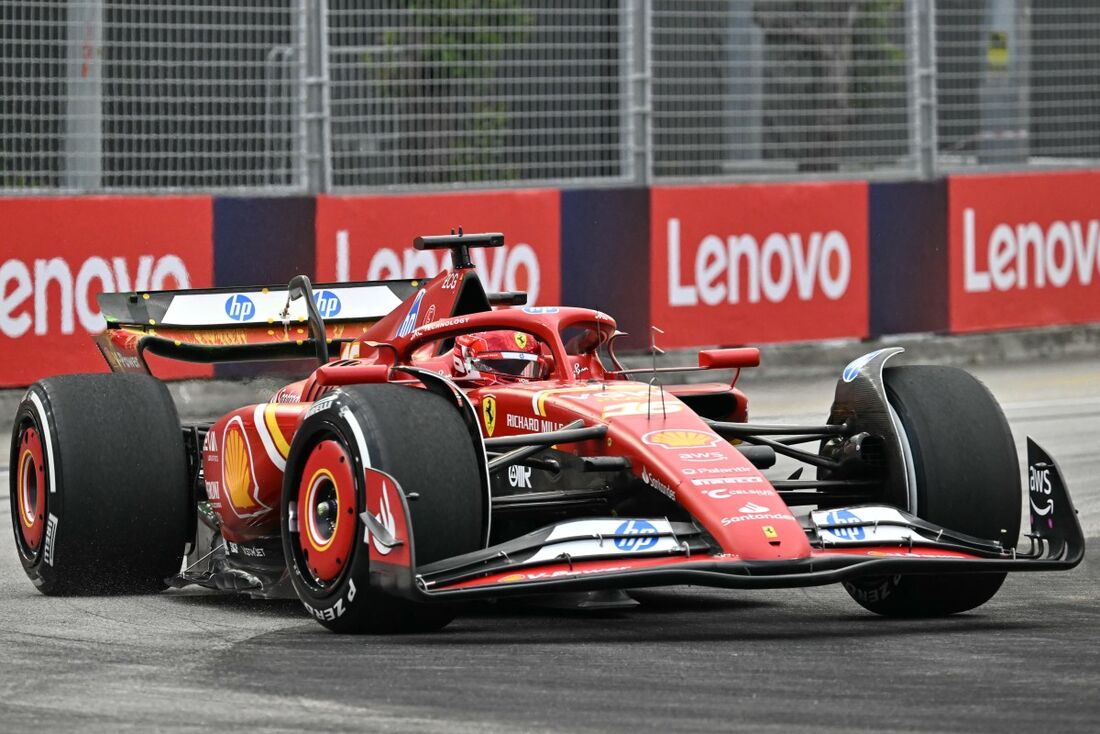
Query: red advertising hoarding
{"points": [[370, 238], [57, 254], [1023, 250], [759, 263]]}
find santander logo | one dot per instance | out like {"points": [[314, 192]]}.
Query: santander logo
{"points": [[738, 268], [751, 508], [1029, 255]]}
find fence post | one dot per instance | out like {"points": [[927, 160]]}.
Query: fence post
{"points": [[638, 149], [1002, 106], [922, 80], [318, 151], [84, 96]]}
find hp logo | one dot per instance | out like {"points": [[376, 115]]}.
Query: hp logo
{"points": [[844, 517], [641, 535], [328, 303], [414, 313], [239, 308]]}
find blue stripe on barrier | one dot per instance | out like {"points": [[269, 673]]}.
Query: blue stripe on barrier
{"points": [[605, 257], [260, 242], [907, 231]]}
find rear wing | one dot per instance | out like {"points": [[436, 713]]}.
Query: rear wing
{"points": [[238, 324]]}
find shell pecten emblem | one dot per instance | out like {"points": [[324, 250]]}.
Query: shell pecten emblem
{"points": [[238, 472], [681, 439]]}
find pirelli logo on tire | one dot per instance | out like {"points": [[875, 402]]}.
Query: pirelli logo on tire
{"points": [[51, 539]]}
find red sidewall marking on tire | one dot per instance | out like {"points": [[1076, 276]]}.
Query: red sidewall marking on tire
{"points": [[326, 538], [30, 488]]}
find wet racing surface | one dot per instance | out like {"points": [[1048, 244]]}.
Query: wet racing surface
{"points": [[684, 660]]}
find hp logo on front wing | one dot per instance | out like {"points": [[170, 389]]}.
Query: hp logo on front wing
{"points": [[641, 536]]}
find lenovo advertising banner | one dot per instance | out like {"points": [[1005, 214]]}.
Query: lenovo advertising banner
{"points": [[1023, 250], [370, 238], [759, 263], [57, 254]]}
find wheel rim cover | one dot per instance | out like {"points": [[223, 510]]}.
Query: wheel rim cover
{"points": [[326, 510], [30, 489]]}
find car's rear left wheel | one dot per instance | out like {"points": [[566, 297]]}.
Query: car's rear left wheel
{"points": [[99, 484]]}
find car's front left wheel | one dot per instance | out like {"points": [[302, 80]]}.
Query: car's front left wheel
{"points": [[967, 479], [419, 440]]}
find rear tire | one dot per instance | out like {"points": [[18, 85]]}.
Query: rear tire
{"points": [[99, 485], [421, 441], [967, 478]]}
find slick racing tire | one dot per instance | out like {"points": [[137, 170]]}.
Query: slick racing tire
{"points": [[99, 485], [421, 441], [967, 478]]}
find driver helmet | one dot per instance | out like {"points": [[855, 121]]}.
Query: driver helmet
{"points": [[507, 355]]}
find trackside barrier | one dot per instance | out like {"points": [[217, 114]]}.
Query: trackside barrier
{"points": [[56, 254], [605, 263], [908, 234], [259, 241], [370, 238], [709, 265], [1024, 250]]}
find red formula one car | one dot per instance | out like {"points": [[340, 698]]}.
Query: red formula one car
{"points": [[463, 446]]}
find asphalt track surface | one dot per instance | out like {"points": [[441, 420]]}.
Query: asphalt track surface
{"points": [[686, 659]]}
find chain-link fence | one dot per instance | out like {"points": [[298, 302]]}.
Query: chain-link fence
{"points": [[378, 95], [503, 92], [140, 96]]}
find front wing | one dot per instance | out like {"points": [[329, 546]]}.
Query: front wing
{"points": [[621, 553]]}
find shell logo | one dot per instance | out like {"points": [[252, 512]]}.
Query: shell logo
{"points": [[680, 439], [237, 469], [238, 474]]}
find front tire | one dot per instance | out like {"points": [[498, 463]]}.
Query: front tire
{"points": [[967, 479], [99, 485], [421, 441]]}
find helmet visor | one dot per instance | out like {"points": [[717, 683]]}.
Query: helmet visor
{"points": [[513, 364]]}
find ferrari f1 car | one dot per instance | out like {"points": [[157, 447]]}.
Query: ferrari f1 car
{"points": [[454, 444]]}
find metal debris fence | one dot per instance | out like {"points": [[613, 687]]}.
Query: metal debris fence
{"points": [[306, 96]]}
